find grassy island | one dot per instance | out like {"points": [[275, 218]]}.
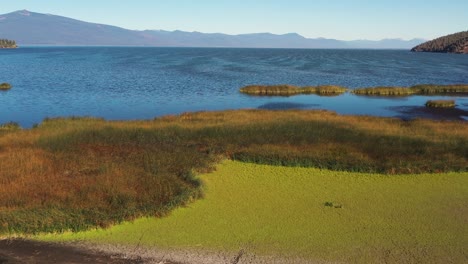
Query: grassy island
{"points": [[440, 103], [5, 86], [384, 91], [287, 90], [423, 89]]}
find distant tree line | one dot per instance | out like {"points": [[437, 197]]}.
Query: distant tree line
{"points": [[455, 43], [6, 43]]}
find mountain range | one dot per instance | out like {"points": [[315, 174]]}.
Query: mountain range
{"points": [[30, 28]]}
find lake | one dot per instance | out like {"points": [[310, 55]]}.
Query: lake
{"points": [[121, 83]]}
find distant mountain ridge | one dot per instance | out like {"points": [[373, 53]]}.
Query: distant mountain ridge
{"points": [[454, 43], [29, 28]]}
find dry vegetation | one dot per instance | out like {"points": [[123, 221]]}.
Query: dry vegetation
{"points": [[287, 90], [73, 174], [423, 89], [5, 86], [441, 103]]}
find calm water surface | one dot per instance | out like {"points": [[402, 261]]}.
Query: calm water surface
{"points": [[142, 83]]}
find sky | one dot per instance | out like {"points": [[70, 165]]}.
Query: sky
{"points": [[338, 19]]}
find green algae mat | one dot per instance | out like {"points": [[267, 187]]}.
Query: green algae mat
{"points": [[311, 213]]}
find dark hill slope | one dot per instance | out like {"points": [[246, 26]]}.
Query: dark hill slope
{"points": [[454, 43]]}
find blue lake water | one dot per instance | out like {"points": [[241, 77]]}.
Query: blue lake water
{"points": [[143, 83]]}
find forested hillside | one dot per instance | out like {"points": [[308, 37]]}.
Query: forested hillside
{"points": [[5, 43], [455, 43]]}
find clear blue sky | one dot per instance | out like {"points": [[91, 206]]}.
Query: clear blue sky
{"points": [[340, 19]]}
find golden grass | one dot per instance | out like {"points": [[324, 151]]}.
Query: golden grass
{"points": [[384, 91], [74, 174], [287, 90], [423, 89], [5, 86]]}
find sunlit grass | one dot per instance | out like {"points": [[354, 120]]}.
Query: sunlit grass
{"points": [[10, 126], [441, 89], [385, 91], [278, 210], [287, 90], [79, 173], [423, 89]]}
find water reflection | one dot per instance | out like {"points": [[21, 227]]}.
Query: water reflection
{"points": [[285, 106]]}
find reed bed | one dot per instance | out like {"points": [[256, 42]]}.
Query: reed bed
{"points": [[79, 173], [385, 91], [440, 103], [10, 126], [441, 89], [5, 86], [288, 90], [423, 89]]}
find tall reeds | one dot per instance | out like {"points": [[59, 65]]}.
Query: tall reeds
{"points": [[79, 173], [5, 86], [288, 90]]}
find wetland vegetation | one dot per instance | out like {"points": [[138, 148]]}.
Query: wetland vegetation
{"points": [[5, 86], [288, 90], [308, 215], [441, 103], [422, 89], [94, 173]]}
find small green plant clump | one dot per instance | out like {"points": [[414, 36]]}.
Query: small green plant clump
{"points": [[5, 86], [441, 103]]}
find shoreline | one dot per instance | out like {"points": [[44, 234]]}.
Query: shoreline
{"points": [[15, 251]]}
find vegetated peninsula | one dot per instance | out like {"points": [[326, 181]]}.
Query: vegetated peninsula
{"points": [[454, 43], [7, 44]]}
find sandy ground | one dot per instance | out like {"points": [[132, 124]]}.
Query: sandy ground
{"points": [[17, 251]]}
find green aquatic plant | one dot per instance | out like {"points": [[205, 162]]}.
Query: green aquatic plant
{"points": [[293, 211]]}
